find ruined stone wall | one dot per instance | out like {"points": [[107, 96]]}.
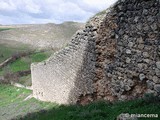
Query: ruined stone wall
{"points": [[68, 74], [128, 51], [113, 58]]}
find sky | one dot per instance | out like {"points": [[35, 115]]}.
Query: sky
{"points": [[49, 11]]}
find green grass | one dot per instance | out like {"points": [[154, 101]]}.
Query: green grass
{"points": [[12, 102], [3, 29], [97, 111], [11, 96], [25, 80], [22, 63], [25, 62], [7, 51], [38, 57], [19, 65]]}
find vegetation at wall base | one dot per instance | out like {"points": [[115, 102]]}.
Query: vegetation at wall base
{"points": [[33, 109]]}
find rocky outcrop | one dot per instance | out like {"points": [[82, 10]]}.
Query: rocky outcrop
{"points": [[113, 58]]}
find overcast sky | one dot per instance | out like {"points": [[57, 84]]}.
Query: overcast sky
{"points": [[49, 11]]}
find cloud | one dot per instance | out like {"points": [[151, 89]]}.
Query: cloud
{"points": [[43, 11], [7, 6]]}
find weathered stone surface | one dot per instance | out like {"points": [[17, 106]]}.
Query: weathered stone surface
{"points": [[154, 26], [156, 79], [140, 40], [150, 84], [158, 64], [142, 77], [130, 83], [128, 51], [130, 44], [157, 88], [147, 60], [157, 72], [145, 12], [145, 54], [149, 91], [141, 46], [128, 60]]}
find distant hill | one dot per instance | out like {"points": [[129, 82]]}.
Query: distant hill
{"points": [[41, 35]]}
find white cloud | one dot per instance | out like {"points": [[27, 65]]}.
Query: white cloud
{"points": [[98, 4], [7, 5], [43, 11], [31, 7]]}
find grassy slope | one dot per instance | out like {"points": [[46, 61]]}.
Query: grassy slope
{"points": [[12, 97], [12, 102], [2, 29], [97, 111], [23, 63], [7, 51]]}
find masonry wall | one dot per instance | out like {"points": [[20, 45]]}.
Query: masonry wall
{"points": [[128, 51], [113, 58], [68, 74]]}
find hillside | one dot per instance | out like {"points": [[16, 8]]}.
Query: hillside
{"points": [[40, 35]]}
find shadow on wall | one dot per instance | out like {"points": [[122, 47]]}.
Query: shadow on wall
{"points": [[83, 87]]}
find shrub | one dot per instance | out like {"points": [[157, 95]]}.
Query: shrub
{"points": [[10, 77]]}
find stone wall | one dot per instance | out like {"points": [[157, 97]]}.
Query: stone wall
{"points": [[113, 58], [128, 51], [68, 74]]}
